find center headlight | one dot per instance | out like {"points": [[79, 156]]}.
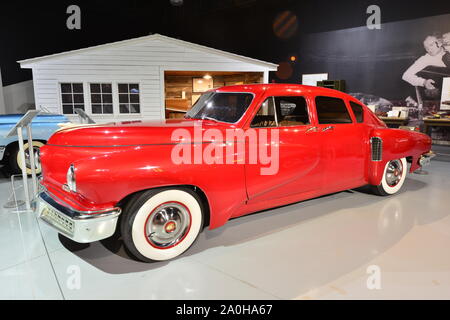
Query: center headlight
{"points": [[71, 179]]}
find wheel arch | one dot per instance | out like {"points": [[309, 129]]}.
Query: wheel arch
{"points": [[15, 143]]}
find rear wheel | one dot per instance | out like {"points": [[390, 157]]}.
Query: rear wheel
{"points": [[160, 225], [393, 177]]}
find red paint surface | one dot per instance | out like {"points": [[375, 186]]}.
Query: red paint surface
{"points": [[116, 160]]}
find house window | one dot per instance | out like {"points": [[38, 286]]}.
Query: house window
{"points": [[101, 98], [72, 97], [129, 101]]}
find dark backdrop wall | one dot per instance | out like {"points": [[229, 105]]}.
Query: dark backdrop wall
{"points": [[372, 61], [30, 29]]}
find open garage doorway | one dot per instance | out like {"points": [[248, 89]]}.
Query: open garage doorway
{"points": [[183, 88]]}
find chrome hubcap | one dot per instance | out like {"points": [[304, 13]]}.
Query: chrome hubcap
{"points": [[394, 172], [167, 225]]}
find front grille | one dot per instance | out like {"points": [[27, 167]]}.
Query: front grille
{"points": [[57, 220], [376, 145]]}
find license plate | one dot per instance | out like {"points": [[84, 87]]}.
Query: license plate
{"points": [[56, 219]]}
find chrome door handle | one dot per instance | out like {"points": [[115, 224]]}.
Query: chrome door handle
{"points": [[328, 128], [312, 129]]}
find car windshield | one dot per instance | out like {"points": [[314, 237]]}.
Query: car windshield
{"points": [[220, 106]]}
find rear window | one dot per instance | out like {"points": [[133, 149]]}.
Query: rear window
{"points": [[332, 111], [358, 111]]}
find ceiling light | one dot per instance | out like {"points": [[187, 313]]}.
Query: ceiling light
{"points": [[176, 3]]}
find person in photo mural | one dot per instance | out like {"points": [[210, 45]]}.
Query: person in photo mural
{"points": [[437, 56]]}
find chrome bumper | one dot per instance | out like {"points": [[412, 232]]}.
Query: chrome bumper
{"points": [[425, 159], [80, 226], [2, 152]]}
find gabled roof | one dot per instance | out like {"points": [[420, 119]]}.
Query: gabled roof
{"points": [[271, 66]]}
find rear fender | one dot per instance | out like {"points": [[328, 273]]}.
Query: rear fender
{"points": [[396, 144]]}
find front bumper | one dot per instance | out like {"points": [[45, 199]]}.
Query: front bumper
{"points": [[80, 226], [2, 152]]}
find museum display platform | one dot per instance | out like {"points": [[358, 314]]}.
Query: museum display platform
{"points": [[316, 249]]}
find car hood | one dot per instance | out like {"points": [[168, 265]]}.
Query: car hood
{"points": [[45, 118], [132, 133]]}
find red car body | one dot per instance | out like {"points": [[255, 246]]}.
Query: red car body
{"points": [[117, 160]]}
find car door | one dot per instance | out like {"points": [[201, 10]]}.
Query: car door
{"points": [[343, 144], [287, 118]]}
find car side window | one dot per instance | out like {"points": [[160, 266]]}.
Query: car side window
{"points": [[292, 111], [358, 111], [266, 117], [332, 111]]}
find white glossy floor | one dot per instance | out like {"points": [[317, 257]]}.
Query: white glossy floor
{"points": [[317, 249]]}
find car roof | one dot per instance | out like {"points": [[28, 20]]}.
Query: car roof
{"points": [[279, 88]]}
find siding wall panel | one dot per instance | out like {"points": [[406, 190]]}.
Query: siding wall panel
{"points": [[139, 62]]}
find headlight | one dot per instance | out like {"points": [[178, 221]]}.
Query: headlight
{"points": [[71, 179]]}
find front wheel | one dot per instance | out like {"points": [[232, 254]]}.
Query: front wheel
{"points": [[393, 177], [160, 225]]}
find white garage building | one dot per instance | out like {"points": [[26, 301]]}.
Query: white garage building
{"points": [[140, 78]]}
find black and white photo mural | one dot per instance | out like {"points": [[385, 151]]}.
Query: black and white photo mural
{"points": [[405, 63]]}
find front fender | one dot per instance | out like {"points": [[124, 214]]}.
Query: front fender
{"points": [[105, 176]]}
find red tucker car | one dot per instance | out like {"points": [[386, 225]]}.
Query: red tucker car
{"points": [[240, 149]]}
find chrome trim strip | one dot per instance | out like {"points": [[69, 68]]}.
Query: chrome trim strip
{"points": [[274, 111], [376, 149], [143, 145], [2, 152], [128, 145]]}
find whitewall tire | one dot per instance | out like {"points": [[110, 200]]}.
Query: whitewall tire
{"points": [[394, 176], [160, 225]]}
